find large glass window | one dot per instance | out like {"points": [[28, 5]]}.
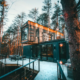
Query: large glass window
{"points": [[25, 33], [46, 37], [37, 32]]}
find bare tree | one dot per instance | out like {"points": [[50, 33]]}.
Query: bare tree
{"points": [[33, 14], [13, 34], [3, 8]]}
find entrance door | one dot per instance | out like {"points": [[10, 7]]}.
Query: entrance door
{"points": [[62, 51]]}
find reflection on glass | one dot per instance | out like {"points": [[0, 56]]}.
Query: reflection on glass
{"points": [[25, 33], [46, 37]]}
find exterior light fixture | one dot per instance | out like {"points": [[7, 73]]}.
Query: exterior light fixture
{"points": [[61, 62], [61, 45]]}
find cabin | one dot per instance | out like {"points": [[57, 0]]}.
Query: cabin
{"points": [[40, 41]]}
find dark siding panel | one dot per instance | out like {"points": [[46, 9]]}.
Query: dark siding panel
{"points": [[27, 51], [55, 51]]}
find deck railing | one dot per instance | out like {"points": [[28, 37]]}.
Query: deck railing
{"points": [[60, 73], [18, 76]]}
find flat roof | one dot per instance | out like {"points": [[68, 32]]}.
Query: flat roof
{"points": [[43, 27]]}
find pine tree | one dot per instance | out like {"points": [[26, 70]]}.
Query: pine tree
{"points": [[73, 28], [57, 17], [33, 14], [3, 9], [13, 34], [42, 19], [47, 8]]}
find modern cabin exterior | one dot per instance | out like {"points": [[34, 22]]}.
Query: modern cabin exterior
{"points": [[40, 41]]}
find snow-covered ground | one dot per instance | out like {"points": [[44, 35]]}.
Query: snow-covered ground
{"points": [[48, 70]]}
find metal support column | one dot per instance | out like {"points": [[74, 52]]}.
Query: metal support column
{"points": [[38, 64]]}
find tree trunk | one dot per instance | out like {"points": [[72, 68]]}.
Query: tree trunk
{"points": [[0, 30], [73, 29]]}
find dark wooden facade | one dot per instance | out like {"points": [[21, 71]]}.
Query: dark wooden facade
{"points": [[33, 33], [41, 41], [50, 49]]}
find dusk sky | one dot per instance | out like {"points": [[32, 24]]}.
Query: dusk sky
{"points": [[18, 6]]}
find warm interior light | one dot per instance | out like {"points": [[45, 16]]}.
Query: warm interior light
{"points": [[36, 25], [45, 28], [57, 29], [58, 34]]}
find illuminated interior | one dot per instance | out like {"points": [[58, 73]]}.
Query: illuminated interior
{"points": [[45, 28], [32, 32]]}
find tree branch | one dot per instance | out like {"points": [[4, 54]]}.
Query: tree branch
{"points": [[77, 5]]}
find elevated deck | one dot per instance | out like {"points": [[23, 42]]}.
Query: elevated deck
{"points": [[48, 70], [9, 62]]}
